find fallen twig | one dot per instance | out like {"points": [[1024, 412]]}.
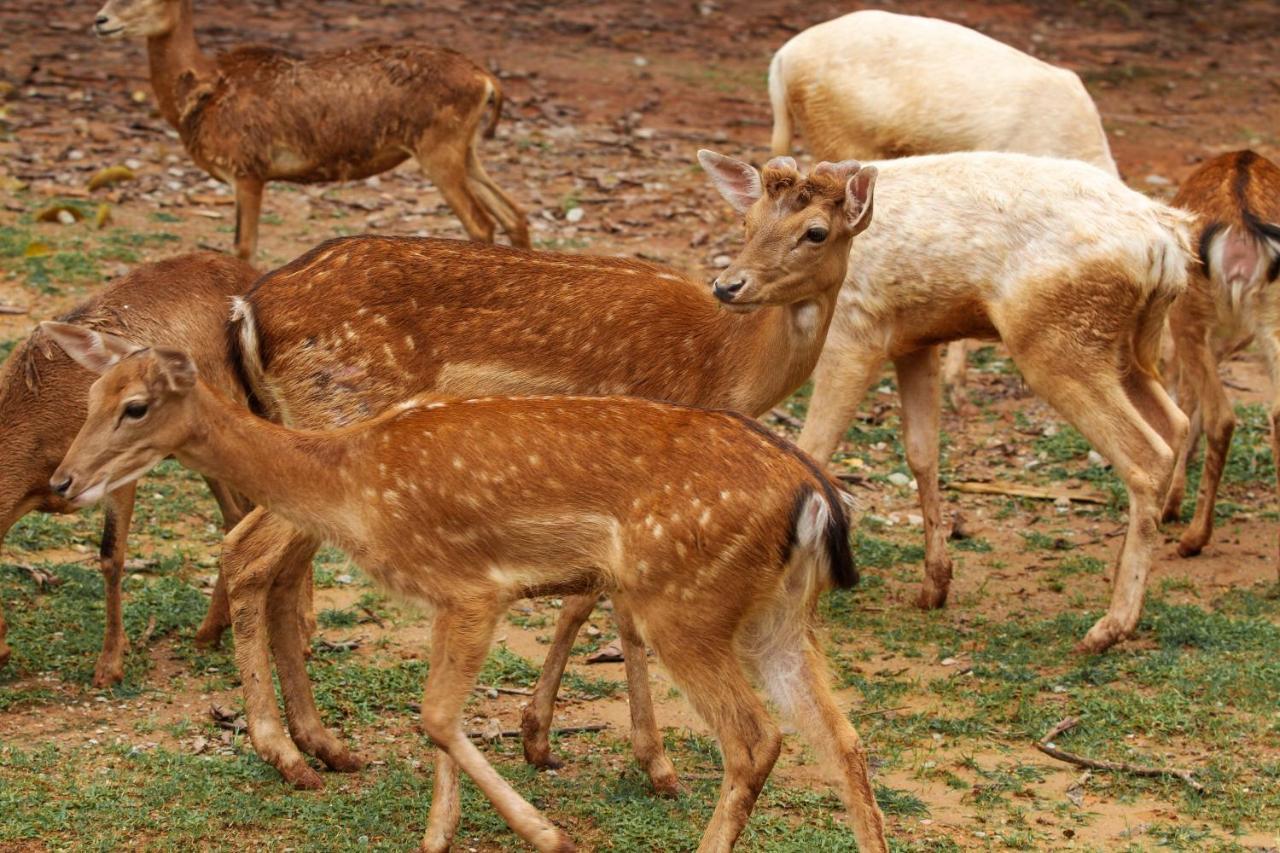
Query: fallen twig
{"points": [[1045, 745], [784, 417], [877, 712], [148, 631], [373, 617], [43, 577], [513, 691], [341, 646], [565, 730], [12, 309], [1000, 487]]}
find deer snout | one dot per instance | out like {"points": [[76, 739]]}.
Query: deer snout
{"points": [[60, 483], [105, 25], [727, 288]]}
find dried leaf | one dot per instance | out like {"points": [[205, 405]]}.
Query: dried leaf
{"points": [[59, 213], [102, 216], [36, 249], [111, 175], [611, 653]]}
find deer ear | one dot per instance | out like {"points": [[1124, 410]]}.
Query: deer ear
{"points": [[96, 351], [174, 370], [859, 195], [738, 182]]}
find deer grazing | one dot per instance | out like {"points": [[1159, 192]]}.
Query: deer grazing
{"points": [[875, 85], [360, 324], [1230, 302], [1072, 270], [43, 395], [468, 505], [259, 114]]}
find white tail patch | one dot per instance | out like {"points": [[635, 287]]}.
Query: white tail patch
{"points": [[812, 523], [1237, 263]]}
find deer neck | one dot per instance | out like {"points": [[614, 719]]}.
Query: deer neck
{"points": [[298, 475], [776, 348], [173, 57]]}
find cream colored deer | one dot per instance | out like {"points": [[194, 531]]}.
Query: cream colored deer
{"points": [[1072, 270], [259, 114], [358, 325], [1232, 301], [468, 505], [874, 85], [42, 405]]}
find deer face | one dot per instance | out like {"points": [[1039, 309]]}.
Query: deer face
{"points": [[138, 412], [135, 18], [798, 227]]}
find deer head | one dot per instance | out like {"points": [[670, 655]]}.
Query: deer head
{"points": [[138, 411], [798, 226], [136, 18]]}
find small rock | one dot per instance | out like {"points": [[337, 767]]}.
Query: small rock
{"points": [[1158, 180], [1062, 502], [721, 261], [899, 479], [575, 215], [66, 217], [1095, 458], [949, 661], [344, 580], [593, 631], [915, 520]]}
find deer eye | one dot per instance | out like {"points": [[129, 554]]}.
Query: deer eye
{"points": [[135, 410], [816, 234]]}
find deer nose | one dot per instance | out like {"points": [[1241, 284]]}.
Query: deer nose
{"points": [[60, 483], [100, 21], [726, 291]]}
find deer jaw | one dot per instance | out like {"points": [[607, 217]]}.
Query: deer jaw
{"points": [[139, 412], [798, 228], [120, 19]]}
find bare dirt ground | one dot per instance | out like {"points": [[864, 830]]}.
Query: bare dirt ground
{"points": [[606, 104]]}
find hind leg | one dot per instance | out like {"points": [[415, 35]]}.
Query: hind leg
{"points": [[795, 675], [496, 202], [1104, 413], [646, 740], [444, 159], [248, 211], [701, 659], [840, 382], [535, 719]]}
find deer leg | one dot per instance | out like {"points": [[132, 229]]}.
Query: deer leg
{"points": [[111, 556], [1107, 416], [705, 666], [252, 555], [218, 617], [955, 368], [795, 674], [496, 202], [1218, 423], [445, 163], [646, 740], [535, 719], [918, 388], [460, 640], [308, 731], [840, 382], [1271, 351], [248, 209]]}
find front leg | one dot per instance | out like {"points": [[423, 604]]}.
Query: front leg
{"points": [[840, 382], [112, 553], [248, 209], [919, 388]]}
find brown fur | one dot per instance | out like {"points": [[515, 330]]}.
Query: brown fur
{"points": [[471, 504], [43, 399], [1236, 195], [360, 324], [258, 114]]}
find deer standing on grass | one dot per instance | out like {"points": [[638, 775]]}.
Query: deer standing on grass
{"points": [[1072, 270], [875, 85], [259, 114], [1231, 301], [43, 395], [357, 325], [469, 505]]}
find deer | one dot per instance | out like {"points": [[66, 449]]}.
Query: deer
{"points": [[43, 396], [359, 324], [470, 504], [874, 85], [1073, 271], [258, 114], [1229, 303]]}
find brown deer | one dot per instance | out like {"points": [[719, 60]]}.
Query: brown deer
{"points": [[1072, 270], [469, 505], [359, 324], [42, 403], [1231, 301], [259, 114]]}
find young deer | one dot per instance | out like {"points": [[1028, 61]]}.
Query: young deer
{"points": [[42, 405], [1230, 302], [876, 85], [469, 505], [258, 114], [1073, 271], [358, 325]]}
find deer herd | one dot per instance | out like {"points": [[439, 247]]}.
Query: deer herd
{"points": [[476, 424]]}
